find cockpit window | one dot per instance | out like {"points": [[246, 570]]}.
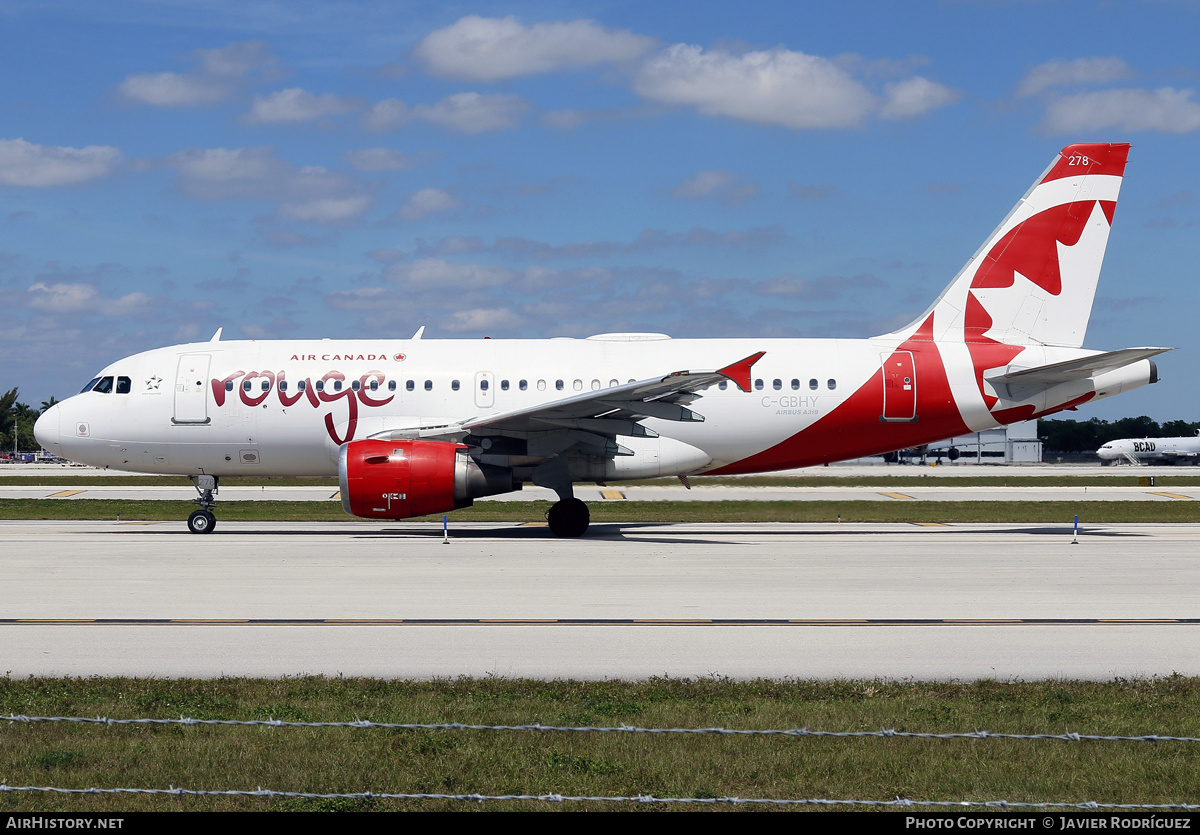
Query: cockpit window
{"points": [[92, 382], [124, 385], [104, 385]]}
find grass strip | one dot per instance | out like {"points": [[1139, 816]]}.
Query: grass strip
{"points": [[886, 478], [489, 762], [1091, 512]]}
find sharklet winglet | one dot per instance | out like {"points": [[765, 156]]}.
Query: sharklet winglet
{"points": [[739, 372]]}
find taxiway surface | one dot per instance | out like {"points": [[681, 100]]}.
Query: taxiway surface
{"points": [[631, 601]]}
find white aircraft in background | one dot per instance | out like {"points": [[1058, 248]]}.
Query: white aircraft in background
{"points": [[417, 426], [1141, 450]]}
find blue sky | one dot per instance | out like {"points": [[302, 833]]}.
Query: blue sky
{"points": [[308, 169]]}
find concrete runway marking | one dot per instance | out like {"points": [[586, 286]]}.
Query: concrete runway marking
{"points": [[886, 622], [65, 494], [931, 524], [897, 496]]}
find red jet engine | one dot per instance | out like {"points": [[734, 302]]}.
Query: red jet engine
{"points": [[402, 479]]}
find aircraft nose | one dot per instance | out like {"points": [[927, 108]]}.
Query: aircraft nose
{"points": [[48, 430]]}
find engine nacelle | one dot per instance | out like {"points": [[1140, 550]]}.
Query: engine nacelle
{"points": [[402, 479]]}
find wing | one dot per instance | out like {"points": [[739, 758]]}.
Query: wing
{"points": [[1062, 372], [595, 419]]}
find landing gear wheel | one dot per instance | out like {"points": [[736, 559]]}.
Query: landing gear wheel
{"points": [[201, 521], [569, 517]]}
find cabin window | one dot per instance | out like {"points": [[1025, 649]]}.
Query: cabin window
{"points": [[523, 385], [483, 385], [266, 386], [320, 385], [283, 385], [795, 384], [246, 385], [541, 385], [504, 385], [410, 385], [613, 384], [302, 385], [724, 384], [229, 385], [374, 385], [454, 385], [579, 385], [812, 384], [429, 385], [558, 384], [595, 385], [777, 384], [337, 385], [832, 384], [392, 385], [758, 384], [356, 385]]}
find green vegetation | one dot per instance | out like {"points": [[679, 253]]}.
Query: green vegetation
{"points": [[494, 762], [1090, 435], [618, 512], [17, 419]]}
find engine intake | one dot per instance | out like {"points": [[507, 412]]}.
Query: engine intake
{"points": [[402, 479]]}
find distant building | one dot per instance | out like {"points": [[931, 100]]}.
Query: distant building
{"points": [[1016, 443]]}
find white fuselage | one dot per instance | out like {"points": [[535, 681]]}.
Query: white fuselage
{"points": [[237, 408]]}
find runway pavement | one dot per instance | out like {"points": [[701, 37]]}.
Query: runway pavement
{"points": [[630, 601]]}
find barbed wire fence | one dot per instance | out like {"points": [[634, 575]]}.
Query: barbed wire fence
{"points": [[795, 733]]}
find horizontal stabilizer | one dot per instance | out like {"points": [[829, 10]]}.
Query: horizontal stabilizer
{"points": [[1080, 369]]}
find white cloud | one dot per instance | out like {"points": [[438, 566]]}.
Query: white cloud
{"points": [[426, 202], [61, 298], [169, 89], [777, 87], [1165, 109], [1069, 73], [238, 58], [723, 185], [388, 114], [915, 97], [327, 209], [463, 112], [219, 72], [379, 159], [483, 320], [39, 166], [308, 193], [474, 112], [297, 105], [435, 274], [493, 49]]}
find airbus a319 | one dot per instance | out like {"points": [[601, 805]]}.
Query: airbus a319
{"points": [[421, 426]]}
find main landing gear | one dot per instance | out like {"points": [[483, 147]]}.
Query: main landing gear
{"points": [[568, 517], [203, 520]]}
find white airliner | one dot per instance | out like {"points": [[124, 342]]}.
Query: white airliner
{"points": [[422, 426], [1141, 450]]}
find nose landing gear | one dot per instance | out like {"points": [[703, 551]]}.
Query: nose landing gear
{"points": [[203, 520]]}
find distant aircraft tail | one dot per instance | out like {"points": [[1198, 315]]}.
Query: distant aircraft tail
{"points": [[1033, 280]]}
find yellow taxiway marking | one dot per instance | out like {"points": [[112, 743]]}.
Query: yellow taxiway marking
{"points": [[336, 495], [160, 522], [931, 524], [1168, 495], [534, 525], [896, 496], [65, 494], [612, 494]]}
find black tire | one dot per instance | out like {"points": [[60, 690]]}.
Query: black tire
{"points": [[568, 518], [201, 521]]}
